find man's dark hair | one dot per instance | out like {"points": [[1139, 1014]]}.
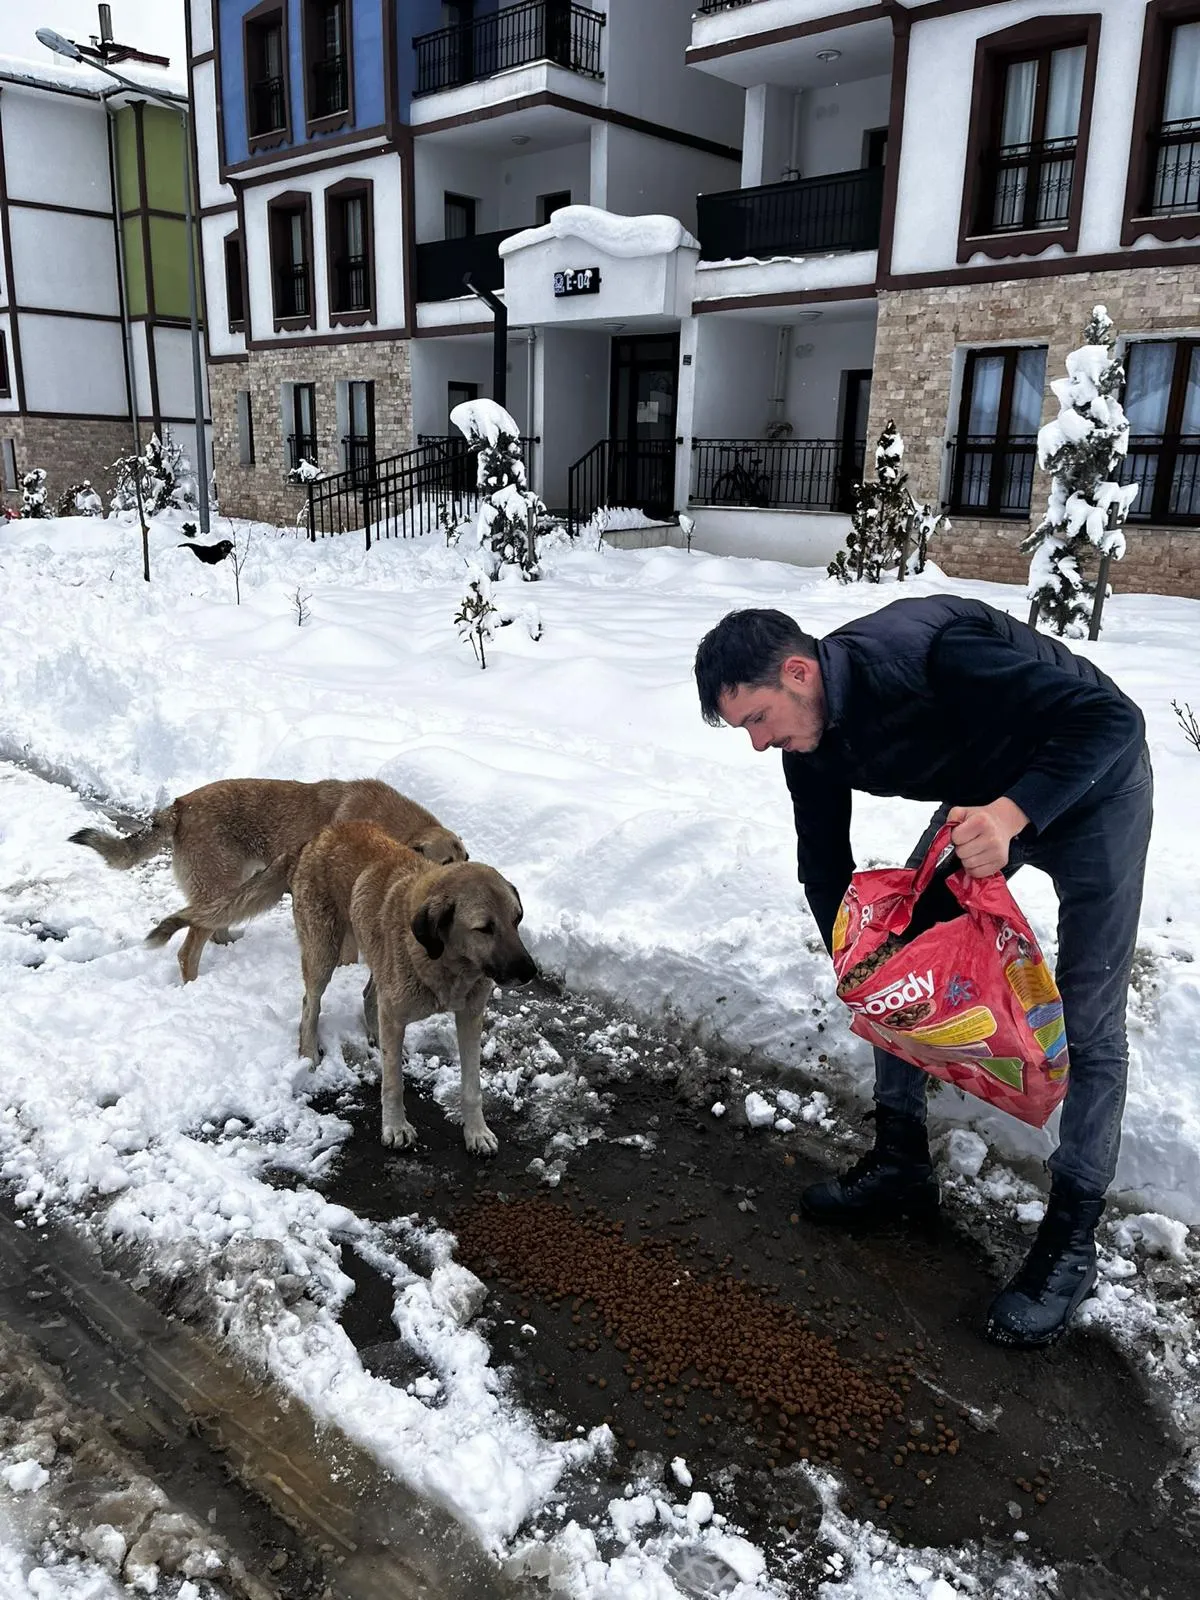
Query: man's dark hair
{"points": [[746, 649]]}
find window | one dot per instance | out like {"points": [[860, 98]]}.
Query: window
{"points": [[302, 439], [245, 427], [1164, 167], [548, 204], [996, 446], [10, 464], [5, 380], [328, 62], [875, 147], [358, 443], [1027, 147], [1162, 402], [234, 296], [265, 44], [348, 249], [459, 211], [458, 394], [291, 259]]}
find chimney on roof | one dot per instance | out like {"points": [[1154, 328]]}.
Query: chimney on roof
{"points": [[106, 33]]}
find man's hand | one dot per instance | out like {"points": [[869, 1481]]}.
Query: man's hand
{"points": [[981, 835]]}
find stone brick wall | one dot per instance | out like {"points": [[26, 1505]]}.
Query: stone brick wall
{"points": [[918, 331], [69, 449], [262, 490]]}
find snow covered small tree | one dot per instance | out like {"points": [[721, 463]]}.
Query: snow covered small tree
{"points": [[33, 493], [889, 529], [164, 478], [510, 514], [476, 613], [1083, 449], [80, 500]]}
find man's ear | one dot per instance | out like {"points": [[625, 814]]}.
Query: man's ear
{"points": [[796, 672]]}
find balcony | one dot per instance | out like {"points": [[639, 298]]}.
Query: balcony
{"points": [[1176, 168], [991, 475], [557, 31], [783, 474], [442, 263], [710, 7], [805, 216]]}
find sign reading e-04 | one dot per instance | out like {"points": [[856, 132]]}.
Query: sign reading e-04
{"points": [[576, 280]]}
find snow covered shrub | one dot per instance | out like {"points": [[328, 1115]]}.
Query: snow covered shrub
{"points": [[510, 515], [304, 472], [80, 500], [162, 475], [1082, 449], [476, 613], [887, 525], [451, 521], [33, 493], [1186, 718]]}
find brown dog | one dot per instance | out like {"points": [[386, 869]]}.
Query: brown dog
{"points": [[220, 834], [436, 938]]}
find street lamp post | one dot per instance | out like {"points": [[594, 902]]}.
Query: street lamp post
{"points": [[67, 47]]}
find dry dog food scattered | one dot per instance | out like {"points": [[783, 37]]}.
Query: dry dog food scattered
{"points": [[686, 1332]]}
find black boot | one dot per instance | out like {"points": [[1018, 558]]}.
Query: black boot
{"points": [[893, 1180], [1059, 1272]]}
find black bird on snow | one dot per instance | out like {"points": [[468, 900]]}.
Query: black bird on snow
{"points": [[212, 553]]}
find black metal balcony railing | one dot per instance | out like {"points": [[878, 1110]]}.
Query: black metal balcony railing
{"points": [[1028, 186], [991, 475], [622, 472], [799, 217], [707, 8], [1176, 168], [268, 107], [301, 447], [291, 291], [359, 454], [330, 87], [442, 263], [784, 474], [1167, 466], [351, 288], [535, 30]]}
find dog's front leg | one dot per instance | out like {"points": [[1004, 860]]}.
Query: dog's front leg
{"points": [[397, 1129], [468, 1023]]}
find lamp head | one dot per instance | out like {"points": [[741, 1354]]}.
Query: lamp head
{"points": [[60, 46]]}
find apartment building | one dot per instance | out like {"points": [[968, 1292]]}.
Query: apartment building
{"points": [[728, 243], [359, 158], [1037, 159], [94, 316]]}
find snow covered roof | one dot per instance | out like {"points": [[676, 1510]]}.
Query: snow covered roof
{"points": [[59, 74], [615, 235]]}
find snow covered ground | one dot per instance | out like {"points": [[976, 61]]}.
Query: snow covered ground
{"points": [[655, 858]]}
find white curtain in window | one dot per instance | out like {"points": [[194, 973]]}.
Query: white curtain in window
{"points": [[1020, 90], [1029, 380], [1182, 99], [1190, 421], [1065, 92], [355, 233], [1148, 369], [984, 414]]}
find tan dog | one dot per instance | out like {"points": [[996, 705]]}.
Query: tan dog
{"points": [[435, 939], [220, 834]]}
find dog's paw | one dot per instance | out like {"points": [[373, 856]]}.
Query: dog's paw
{"points": [[399, 1134], [481, 1141]]}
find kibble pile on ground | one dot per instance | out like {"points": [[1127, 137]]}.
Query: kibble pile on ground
{"points": [[693, 1340]]}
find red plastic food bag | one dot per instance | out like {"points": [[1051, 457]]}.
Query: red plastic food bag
{"points": [[971, 1001]]}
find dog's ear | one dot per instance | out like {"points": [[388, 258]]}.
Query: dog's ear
{"points": [[517, 898], [431, 925]]}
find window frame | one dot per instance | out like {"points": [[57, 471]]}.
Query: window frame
{"points": [[295, 433], [1168, 450], [993, 53], [5, 370], [543, 210], [335, 196], [287, 205], [991, 511], [245, 420], [311, 17], [231, 242], [255, 22], [449, 198], [350, 437], [1162, 16]]}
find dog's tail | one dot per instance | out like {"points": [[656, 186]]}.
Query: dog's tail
{"points": [[131, 849], [257, 895]]}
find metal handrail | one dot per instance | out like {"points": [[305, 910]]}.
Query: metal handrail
{"points": [[331, 87], [839, 211], [991, 475], [779, 474], [268, 107], [559, 31]]}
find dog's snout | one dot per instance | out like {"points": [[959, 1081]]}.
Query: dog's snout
{"points": [[519, 969]]}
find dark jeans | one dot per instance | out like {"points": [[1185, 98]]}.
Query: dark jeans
{"points": [[1097, 860]]}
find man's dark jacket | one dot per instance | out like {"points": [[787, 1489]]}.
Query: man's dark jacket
{"points": [[950, 700]]}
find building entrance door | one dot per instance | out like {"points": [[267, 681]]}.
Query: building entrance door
{"points": [[645, 373]]}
